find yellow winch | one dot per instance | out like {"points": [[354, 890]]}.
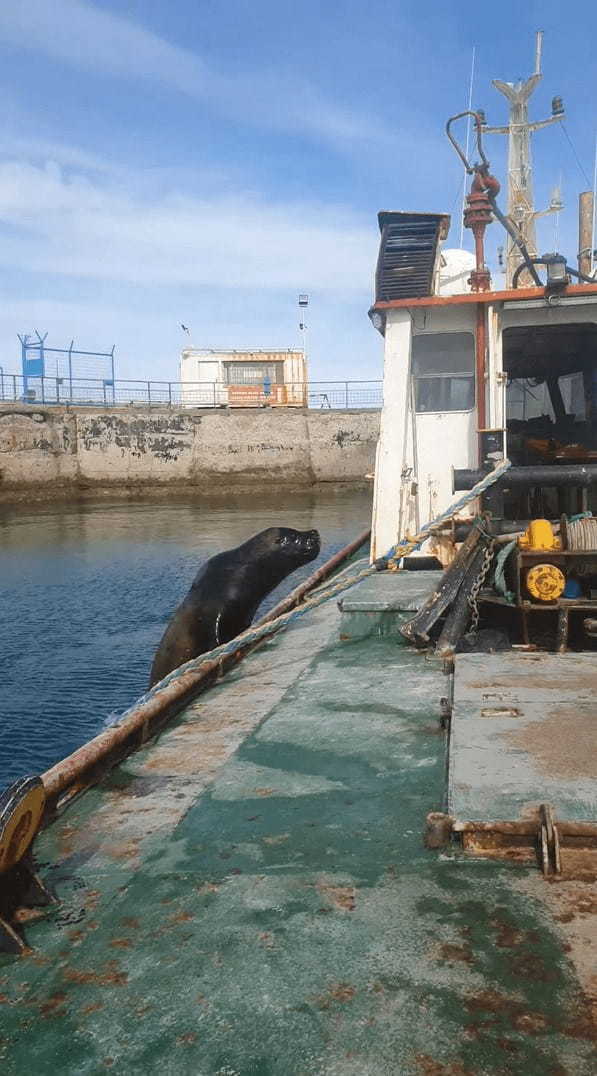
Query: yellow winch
{"points": [[545, 582], [539, 535]]}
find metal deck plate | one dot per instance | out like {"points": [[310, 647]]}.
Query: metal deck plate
{"points": [[523, 732], [390, 592]]}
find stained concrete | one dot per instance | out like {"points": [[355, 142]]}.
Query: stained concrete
{"points": [[50, 449]]}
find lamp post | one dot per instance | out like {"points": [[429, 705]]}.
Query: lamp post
{"points": [[303, 302]]}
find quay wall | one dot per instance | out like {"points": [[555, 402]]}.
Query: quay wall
{"points": [[57, 451]]}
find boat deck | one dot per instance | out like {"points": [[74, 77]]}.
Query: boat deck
{"points": [[524, 732], [251, 896]]}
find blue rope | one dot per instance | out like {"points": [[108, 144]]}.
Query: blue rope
{"points": [[252, 635]]}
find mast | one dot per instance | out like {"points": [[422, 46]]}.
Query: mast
{"points": [[521, 208]]}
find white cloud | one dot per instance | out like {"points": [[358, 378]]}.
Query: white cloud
{"points": [[94, 227], [79, 34]]}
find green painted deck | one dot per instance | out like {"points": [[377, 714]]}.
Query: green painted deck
{"points": [[250, 896]]}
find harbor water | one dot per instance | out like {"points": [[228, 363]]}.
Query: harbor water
{"points": [[87, 589]]}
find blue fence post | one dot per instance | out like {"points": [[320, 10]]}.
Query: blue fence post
{"points": [[170, 393], [43, 394], [14, 387], [2, 381], [57, 390], [149, 392], [346, 394]]}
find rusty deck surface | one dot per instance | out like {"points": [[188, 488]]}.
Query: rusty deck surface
{"points": [[251, 896], [524, 732]]}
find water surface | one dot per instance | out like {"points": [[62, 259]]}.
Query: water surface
{"points": [[86, 591]]}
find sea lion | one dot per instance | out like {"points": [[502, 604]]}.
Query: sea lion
{"points": [[226, 593]]}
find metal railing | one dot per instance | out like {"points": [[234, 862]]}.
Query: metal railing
{"points": [[94, 392]]}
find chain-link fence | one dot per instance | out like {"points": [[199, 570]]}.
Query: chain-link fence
{"points": [[94, 392]]}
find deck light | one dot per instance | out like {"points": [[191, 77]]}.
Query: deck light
{"points": [[557, 277], [557, 106]]}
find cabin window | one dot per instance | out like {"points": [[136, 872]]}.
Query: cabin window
{"points": [[444, 371], [253, 373]]}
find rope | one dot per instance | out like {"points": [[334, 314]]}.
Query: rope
{"points": [[499, 579], [581, 534], [254, 634]]}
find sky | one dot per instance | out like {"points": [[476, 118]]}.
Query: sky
{"points": [[203, 163]]}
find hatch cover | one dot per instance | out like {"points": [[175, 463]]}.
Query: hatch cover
{"points": [[523, 733]]}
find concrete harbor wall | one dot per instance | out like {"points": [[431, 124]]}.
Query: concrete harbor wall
{"points": [[51, 451]]}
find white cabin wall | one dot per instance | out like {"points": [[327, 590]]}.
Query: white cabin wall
{"points": [[444, 440], [390, 447]]}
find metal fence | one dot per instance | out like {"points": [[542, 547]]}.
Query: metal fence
{"points": [[94, 392]]}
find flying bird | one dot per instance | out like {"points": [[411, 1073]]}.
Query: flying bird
{"points": [[184, 328]]}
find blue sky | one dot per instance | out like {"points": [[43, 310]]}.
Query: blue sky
{"points": [[204, 162]]}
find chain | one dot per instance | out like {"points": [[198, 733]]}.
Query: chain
{"points": [[473, 598]]}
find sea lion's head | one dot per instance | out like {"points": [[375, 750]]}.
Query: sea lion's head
{"points": [[288, 545]]}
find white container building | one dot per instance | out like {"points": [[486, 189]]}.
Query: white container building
{"points": [[213, 378]]}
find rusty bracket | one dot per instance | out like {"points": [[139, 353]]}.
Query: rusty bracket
{"points": [[538, 840], [445, 712], [549, 842]]}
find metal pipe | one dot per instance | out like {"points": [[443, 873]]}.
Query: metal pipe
{"points": [[480, 352], [556, 475], [515, 237], [80, 769]]}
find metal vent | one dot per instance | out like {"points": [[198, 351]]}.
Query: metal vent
{"points": [[407, 254]]}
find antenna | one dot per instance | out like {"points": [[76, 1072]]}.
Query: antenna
{"points": [[468, 135], [521, 209], [593, 236]]}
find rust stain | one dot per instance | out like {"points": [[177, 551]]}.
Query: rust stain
{"points": [[493, 1003], [25, 915], [181, 917], [429, 1067], [54, 1006], [510, 937], [341, 992], [95, 1006], [187, 1039], [109, 975], [276, 840], [207, 887], [456, 953], [342, 896], [264, 791], [564, 744], [130, 921], [124, 850], [121, 943], [578, 865]]}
